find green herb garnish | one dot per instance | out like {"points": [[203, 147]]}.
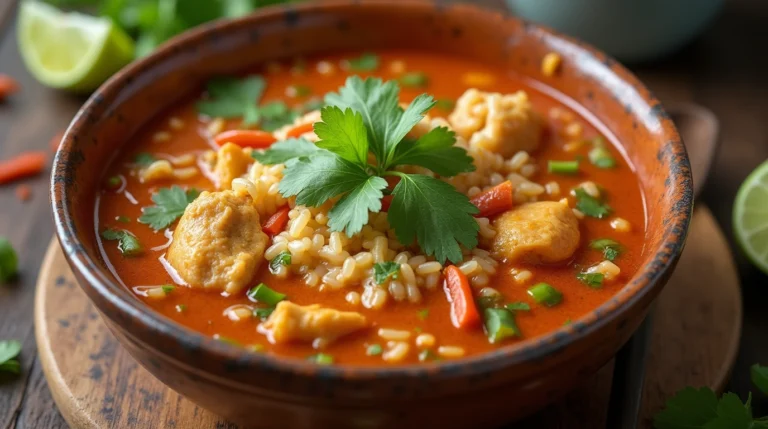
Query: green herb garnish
{"points": [[127, 243], [373, 350], [123, 219], [414, 80], [262, 293], [445, 104], [567, 322], [601, 157], [144, 159], [518, 306], [170, 205], [9, 350], [500, 324], [593, 280], [114, 182], [545, 294], [276, 114], [9, 261], [321, 359], [364, 118], [760, 377], [490, 301], [168, 288], [563, 167], [427, 355], [180, 308], [590, 205], [233, 98], [611, 249], [382, 271], [227, 340], [263, 313], [283, 259], [423, 314], [301, 90], [366, 62]]}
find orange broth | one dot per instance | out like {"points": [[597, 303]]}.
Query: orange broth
{"points": [[204, 310]]}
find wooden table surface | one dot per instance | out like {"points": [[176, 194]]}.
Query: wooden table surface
{"points": [[726, 70]]}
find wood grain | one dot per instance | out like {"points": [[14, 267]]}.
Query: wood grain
{"points": [[97, 385]]}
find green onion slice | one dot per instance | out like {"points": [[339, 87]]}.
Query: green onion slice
{"points": [[500, 324], [262, 293], [563, 167], [545, 294]]}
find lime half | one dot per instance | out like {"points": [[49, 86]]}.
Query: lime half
{"points": [[70, 51], [750, 217]]}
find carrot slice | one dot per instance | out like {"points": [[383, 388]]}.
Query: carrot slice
{"points": [[495, 200], [23, 192], [246, 138], [26, 164], [463, 310], [300, 129], [276, 223], [8, 86]]}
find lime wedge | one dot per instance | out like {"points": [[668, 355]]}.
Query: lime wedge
{"points": [[70, 51], [750, 217]]}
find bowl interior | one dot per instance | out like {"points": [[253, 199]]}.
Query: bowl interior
{"points": [[134, 96]]}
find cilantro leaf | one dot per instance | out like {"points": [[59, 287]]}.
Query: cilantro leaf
{"points": [[366, 62], [276, 114], [127, 243], [689, 408], [375, 101], [611, 248], [435, 214], [732, 413], [232, 98], [414, 80], [350, 213], [9, 350], [283, 151], [590, 205], [382, 271], [435, 151], [343, 133], [9, 260], [316, 179], [282, 259], [170, 205], [400, 122], [144, 159], [445, 104], [760, 377]]}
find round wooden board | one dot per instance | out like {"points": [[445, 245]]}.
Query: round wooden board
{"points": [[96, 384]]}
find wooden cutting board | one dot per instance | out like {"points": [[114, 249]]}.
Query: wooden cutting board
{"points": [[96, 384]]}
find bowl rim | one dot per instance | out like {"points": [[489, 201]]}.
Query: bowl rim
{"points": [[640, 285]]}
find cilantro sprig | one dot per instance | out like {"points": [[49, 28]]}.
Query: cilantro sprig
{"points": [[363, 138], [170, 205], [9, 350]]}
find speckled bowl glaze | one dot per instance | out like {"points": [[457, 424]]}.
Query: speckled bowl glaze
{"points": [[257, 390]]}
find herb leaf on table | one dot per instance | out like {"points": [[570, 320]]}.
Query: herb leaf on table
{"points": [[9, 350]]}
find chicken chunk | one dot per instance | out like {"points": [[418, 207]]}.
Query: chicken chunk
{"points": [[231, 162], [218, 244], [292, 322], [541, 232], [501, 123]]}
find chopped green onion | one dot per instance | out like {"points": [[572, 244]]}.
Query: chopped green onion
{"points": [[490, 301], [590, 205], [282, 259], [373, 350], [423, 314], [9, 262], [500, 324], [321, 359], [593, 280], [366, 62], [427, 355], [611, 249], [414, 80], [114, 182], [180, 308], [444, 104], [563, 167], [600, 157], [144, 159], [544, 293], [262, 293], [123, 219], [518, 306], [168, 288], [382, 271], [263, 313]]}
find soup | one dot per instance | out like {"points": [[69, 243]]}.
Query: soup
{"points": [[489, 211]]}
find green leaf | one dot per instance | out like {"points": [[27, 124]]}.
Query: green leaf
{"points": [[343, 133], [689, 408], [264, 294], [611, 249], [500, 325], [435, 151], [518, 306], [593, 280], [414, 80], [321, 359], [366, 62], [423, 314], [445, 104], [282, 259], [399, 123], [170, 205], [276, 114], [9, 349], [760, 377], [127, 243], [9, 261], [144, 159], [434, 214], [316, 179], [732, 413], [350, 214], [382, 271], [374, 350], [233, 98], [283, 151], [12, 366], [590, 205], [263, 313]]}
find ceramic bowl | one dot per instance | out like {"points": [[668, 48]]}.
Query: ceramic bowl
{"points": [[257, 390]]}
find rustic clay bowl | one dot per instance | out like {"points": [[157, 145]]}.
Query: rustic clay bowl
{"points": [[261, 391]]}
